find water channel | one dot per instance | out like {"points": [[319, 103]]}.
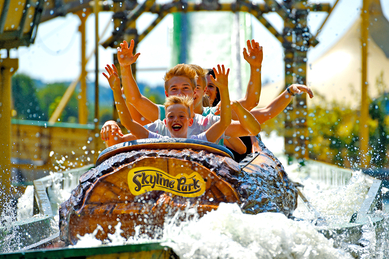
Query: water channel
{"points": [[333, 196]]}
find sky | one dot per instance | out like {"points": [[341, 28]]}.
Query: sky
{"points": [[55, 55]]}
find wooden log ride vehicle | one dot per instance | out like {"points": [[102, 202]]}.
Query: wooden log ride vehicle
{"points": [[140, 182]]}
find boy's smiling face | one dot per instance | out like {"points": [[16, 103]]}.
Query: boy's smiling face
{"points": [[178, 120], [180, 85]]}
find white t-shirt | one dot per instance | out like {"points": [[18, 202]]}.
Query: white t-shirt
{"points": [[200, 125], [201, 136]]}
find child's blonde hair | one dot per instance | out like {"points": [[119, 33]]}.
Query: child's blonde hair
{"points": [[183, 100], [181, 70]]}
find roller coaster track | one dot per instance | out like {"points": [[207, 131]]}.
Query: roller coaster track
{"points": [[20, 19]]}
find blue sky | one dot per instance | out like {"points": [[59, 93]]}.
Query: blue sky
{"points": [[55, 56]]}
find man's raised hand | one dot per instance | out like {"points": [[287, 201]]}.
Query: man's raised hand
{"points": [[254, 56], [221, 80], [125, 54]]}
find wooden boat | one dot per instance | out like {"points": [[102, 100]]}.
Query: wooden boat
{"points": [[140, 182]]}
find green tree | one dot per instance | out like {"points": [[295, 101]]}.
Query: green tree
{"points": [[378, 110], [49, 98], [153, 95], [24, 97]]}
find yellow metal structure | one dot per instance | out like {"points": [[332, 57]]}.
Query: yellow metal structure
{"points": [[69, 91], [82, 109], [7, 68], [364, 130], [41, 146]]}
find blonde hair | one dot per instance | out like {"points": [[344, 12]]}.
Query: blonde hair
{"points": [[183, 100], [181, 70], [200, 73]]}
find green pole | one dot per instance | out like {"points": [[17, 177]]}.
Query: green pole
{"points": [[300, 58]]}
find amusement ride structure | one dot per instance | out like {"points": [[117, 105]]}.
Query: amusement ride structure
{"points": [[19, 23]]}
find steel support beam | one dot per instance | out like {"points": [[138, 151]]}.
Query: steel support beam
{"points": [[7, 68], [24, 18], [3, 17], [97, 113], [302, 37], [364, 128], [287, 43], [82, 108]]}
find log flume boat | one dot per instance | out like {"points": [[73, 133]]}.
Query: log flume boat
{"points": [[140, 182]]}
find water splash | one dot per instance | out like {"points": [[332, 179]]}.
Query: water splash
{"points": [[228, 233]]}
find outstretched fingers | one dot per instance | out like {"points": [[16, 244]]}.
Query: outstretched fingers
{"points": [[249, 45], [132, 45], [306, 90], [299, 89], [124, 44], [245, 54]]}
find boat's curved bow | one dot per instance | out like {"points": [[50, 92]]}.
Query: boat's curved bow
{"points": [[140, 182]]}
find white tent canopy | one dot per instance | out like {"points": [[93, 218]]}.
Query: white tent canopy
{"points": [[336, 75]]}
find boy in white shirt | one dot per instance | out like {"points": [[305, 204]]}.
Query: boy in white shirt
{"points": [[178, 113]]}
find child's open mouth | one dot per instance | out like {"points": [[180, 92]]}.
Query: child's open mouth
{"points": [[176, 127]]}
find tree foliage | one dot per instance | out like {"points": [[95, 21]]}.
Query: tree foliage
{"points": [[49, 98], [334, 131], [25, 99]]}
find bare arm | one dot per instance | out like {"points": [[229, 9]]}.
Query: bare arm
{"points": [[136, 116], [247, 126], [221, 81], [125, 117], [236, 144], [147, 108], [254, 57], [280, 103]]}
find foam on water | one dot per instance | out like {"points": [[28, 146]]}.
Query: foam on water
{"points": [[335, 204], [26, 204], [228, 233]]}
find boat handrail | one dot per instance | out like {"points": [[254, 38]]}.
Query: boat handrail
{"points": [[163, 143]]}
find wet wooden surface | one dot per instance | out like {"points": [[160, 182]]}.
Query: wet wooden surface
{"points": [[103, 196]]}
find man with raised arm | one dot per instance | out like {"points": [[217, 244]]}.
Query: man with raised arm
{"points": [[152, 111], [178, 118]]}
